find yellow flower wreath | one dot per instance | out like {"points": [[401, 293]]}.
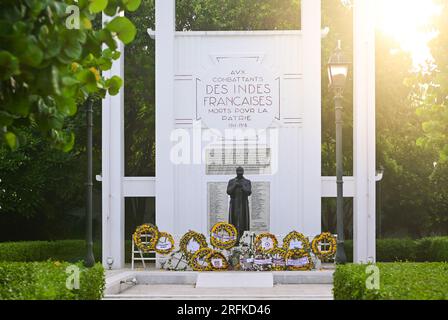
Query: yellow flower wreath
{"points": [[321, 240], [278, 259], [298, 260], [165, 247], [265, 242], [223, 236], [195, 261], [296, 240], [215, 258], [146, 231], [189, 236]]}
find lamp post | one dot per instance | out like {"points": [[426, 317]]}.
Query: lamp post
{"points": [[338, 67], [90, 259]]}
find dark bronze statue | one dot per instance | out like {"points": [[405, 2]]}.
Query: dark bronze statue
{"points": [[239, 190]]}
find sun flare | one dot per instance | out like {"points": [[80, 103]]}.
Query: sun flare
{"points": [[408, 22]]}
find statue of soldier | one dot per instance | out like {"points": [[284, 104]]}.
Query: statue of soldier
{"points": [[239, 190]]}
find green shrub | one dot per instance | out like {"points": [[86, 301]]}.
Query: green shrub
{"points": [[63, 250], [398, 281], [434, 249], [47, 281], [392, 250]]}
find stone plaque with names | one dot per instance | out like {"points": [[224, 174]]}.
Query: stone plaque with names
{"points": [[259, 204], [224, 160]]}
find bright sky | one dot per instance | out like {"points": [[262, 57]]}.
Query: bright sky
{"points": [[409, 23]]}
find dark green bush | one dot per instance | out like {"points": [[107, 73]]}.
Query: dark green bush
{"points": [[61, 250], [433, 249], [398, 281], [47, 281], [64, 250]]}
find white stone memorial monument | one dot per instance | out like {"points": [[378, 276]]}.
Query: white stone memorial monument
{"points": [[242, 98]]}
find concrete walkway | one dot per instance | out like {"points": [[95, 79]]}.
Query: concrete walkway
{"points": [[165, 285], [189, 292]]}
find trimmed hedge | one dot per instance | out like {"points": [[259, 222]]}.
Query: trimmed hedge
{"points": [[398, 281], [434, 249], [47, 281], [63, 250]]}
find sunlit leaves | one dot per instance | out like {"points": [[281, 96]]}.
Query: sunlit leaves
{"points": [[49, 66], [97, 6], [114, 84], [132, 5], [123, 28]]}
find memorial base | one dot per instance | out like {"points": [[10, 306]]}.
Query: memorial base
{"points": [[235, 280], [118, 282]]}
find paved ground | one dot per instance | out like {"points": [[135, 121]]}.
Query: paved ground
{"points": [[189, 292], [153, 284]]}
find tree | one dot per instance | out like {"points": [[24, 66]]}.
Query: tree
{"points": [[430, 97], [430, 93], [51, 59]]}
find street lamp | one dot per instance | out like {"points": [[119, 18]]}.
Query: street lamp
{"points": [[338, 67], [90, 259]]}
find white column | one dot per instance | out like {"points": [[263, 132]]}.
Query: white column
{"points": [[165, 28], [364, 131], [311, 29], [113, 169]]}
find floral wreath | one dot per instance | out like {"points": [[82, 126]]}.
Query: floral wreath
{"points": [[278, 259], [224, 241], [325, 238], [298, 260], [262, 262], [201, 254], [186, 238], [297, 236], [167, 246], [216, 255], [146, 230], [259, 247]]}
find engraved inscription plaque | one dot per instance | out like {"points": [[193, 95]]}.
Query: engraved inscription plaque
{"points": [[224, 160], [259, 204]]}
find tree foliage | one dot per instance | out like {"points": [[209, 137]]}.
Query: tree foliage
{"points": [[414, 193], [51, 59], [430, 91]]}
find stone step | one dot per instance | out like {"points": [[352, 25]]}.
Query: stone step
{"points": [[190, 292], [235, 280], [122, 283]]}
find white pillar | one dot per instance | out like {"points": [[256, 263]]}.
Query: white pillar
{"points": [[113, 169], [165, 28], [364, 131], [311, 29]]}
